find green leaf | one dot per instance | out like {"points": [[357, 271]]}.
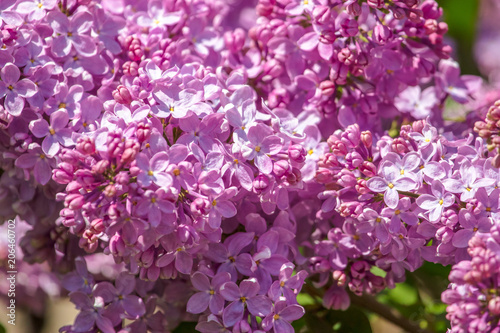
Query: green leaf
{"points": [[305, 299], [403, 294], [2, 329]]}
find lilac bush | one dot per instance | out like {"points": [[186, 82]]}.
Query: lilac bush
{"points": [[227, 158]]}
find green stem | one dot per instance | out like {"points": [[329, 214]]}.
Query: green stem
{"points": [[409, 194]]}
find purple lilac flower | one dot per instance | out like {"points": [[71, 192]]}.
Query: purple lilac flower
{"points": [[244, 296], [15, 90], [390, 183], [436, 202], [209, 295]]}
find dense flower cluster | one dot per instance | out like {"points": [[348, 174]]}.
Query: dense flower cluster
{"points": [[474, 302], [187, 142], [363, 62]]}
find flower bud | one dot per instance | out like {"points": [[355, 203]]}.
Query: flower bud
{"points": [[122, 95], [327, 88], [367, 139], [260, 183], [297, 153], [281, 167], [368, 169], [85, 145], [349, 28]]}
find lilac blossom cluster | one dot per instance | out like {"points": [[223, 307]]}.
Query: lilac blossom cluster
{"points": [[363, 62], [393, 202], [191, 151], [474, 302]]}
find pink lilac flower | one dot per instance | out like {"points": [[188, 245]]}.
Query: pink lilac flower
{"points": [[244, 296], [260, 145], [15, 90], [72, 33], [55, 134], [209, 295], [390, 183], [437, 202]]}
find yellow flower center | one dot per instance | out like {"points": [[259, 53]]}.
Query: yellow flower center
{"points": [[176, 172], [310, 152], [402, 172], [236, 161], [277, 316], [468, 189], [157, 22], [488, 209], [214, 203], [427, 140], [306, 2], [10, 87], [211, 292], [378, 220], [52, 132], [475, 229], [397, 212], [243, 127], [257, 149], [40, 5], [42, 156], [231, 258], [70, 34], [282, 284], [391, 185], [75, 58], [171, 109], [179, 249], [243, 299], [441, 202], [153, 200], [84, 124], [61, 105], [150, 173]]}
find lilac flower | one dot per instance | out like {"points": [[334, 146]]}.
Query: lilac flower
{"points": [[401, 214], [153, 171], [229, 254], [390, 183], [282, 316], [158, 16], [92, 313], [153, 204], [470, 225], [120, 296], [436, 202], [55, 134], [261, 144], [14, 90], [36, 159], [371, 220], [72, 33], [221, 207], [287, 286], [243, 296], [80, 279], [468, 183], [417, 102], [209, 295], [36, 9], [177, 103], [66, 99]]}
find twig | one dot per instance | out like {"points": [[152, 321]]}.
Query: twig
{"points": [[371, 304]]}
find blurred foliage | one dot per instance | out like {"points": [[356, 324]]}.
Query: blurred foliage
{"points": [[461, 17]]}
